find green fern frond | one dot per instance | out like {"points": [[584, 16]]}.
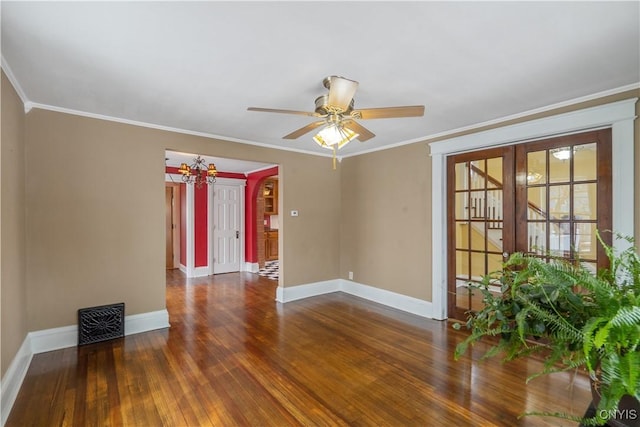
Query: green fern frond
{"points": [[626, 316]]}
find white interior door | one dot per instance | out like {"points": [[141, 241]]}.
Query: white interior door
{"points": [[227, 228]]}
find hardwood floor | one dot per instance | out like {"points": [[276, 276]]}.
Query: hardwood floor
{"points": [[234, 356]]}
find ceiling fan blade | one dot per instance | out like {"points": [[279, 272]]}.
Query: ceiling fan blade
{"points": [[389, 112], [363, 133], [275, 110], [305, 129], [341, 92]]}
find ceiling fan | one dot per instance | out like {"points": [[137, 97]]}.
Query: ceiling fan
{"points": [[337, 114]]}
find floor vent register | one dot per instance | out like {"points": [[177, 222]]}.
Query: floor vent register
{"points": [[100, 323]]}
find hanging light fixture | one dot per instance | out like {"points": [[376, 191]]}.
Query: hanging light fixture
{"points": [[563, 153], [334, 136], [197, 173]]}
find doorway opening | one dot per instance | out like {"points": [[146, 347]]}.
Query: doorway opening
{"points": [[214, 221], [268, 227], [172, 225]]}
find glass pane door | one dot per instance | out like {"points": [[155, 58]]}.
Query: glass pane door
{"points": [[546, 198], [480, 223], [565, 197]]}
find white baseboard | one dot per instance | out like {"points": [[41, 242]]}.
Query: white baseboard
{"points": [[58, 338], [200, 272], [391, 299], [145, 322], [195, 272], [54, 338], [13, 378], [293, 293], [251, 267]]}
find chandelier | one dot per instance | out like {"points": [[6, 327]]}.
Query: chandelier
{"points": [[198, 173]]}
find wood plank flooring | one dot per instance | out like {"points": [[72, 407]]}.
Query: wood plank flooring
{"points": [[235, 357]]}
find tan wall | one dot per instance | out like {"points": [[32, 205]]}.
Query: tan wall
{"points": [[386, 216], [95, 214], [12, 226], [386, 220]]}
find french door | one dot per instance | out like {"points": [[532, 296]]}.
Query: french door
{"points": [[546, 198]]}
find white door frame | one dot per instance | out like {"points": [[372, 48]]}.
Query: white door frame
{"points": [[241, 183], [619, 116]]}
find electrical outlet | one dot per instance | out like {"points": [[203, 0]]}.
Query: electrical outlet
{"points": [[351, 275], [294, 213]]}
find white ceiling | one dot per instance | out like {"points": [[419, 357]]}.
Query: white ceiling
{"points": [[197, 66]]}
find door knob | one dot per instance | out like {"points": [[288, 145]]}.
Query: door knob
{"points": [[237, 234]]}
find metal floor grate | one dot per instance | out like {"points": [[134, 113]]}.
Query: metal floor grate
{"points": [[100, 323]]}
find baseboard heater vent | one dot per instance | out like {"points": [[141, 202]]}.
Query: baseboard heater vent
{"points": [[100, 323]]}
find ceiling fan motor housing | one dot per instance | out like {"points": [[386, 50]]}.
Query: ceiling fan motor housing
{"points": [[323, 108]]}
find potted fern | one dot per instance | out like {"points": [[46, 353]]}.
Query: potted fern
{"points": [[575, 320]]}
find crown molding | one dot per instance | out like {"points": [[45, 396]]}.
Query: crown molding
{"points": [[28, 105], [505, 119], [168, 128]]}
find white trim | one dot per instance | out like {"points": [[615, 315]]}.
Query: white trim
{"points": [[28, 105], [262, 169], [505, 119], [619, 116], [381, 296], [251, 267], [623, 189], [406, 303], [67, 336], [240, 182], [439, 237], [199, 271], [211, 207], [293, 293], [145, 322], [169, 128], [13, 378], [14, 82], [58, 338], [580, 120], [54, 338]]}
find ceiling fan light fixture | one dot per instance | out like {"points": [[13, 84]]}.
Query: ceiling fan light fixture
{"points": [[341, 92], [334, 136]]}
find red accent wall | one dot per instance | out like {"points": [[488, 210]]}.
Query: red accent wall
{"points": [[200, 225], [183, 224], [253, 184]]}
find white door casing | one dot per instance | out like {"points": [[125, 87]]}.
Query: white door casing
{"points": [[619, 116]]}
